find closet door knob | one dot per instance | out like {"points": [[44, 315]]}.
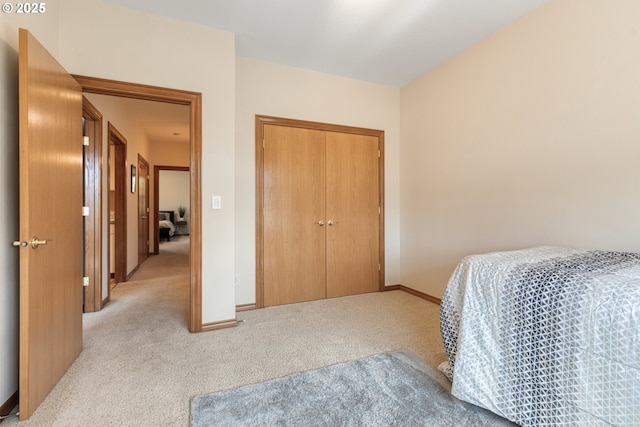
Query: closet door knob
{"points": [[331, 222], [320, 223]]}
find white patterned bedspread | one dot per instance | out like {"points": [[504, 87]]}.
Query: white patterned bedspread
{"points": [[546, 336]]}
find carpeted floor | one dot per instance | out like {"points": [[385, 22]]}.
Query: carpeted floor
{"points": [[140, 366]]}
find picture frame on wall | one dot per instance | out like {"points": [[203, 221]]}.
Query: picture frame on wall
{"points": [[133, 179]]}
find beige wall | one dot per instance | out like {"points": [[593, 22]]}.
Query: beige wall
{"points": [[174, 191], [9, 226], [528, 138], [169, 154], [268, 89]]}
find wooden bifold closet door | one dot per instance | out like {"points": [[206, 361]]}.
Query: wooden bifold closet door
{"points": [[319, 213]]}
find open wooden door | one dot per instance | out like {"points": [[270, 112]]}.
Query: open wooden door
{"points": [[50, 222]]}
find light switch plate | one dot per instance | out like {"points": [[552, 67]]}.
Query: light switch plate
{"points": [[216, 202]]}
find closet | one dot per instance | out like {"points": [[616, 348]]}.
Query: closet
{"points": [[319, 211]]}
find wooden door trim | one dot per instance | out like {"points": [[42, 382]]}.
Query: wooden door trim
{"points": [[143, 161], [93, 200], [260, 121], [120, 176], [194, 101], [328, 127], [156, 200]]}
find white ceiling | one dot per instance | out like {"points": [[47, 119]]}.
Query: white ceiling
{"points": [[391, 42]]}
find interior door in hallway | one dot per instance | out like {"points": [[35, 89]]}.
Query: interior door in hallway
{"points": [[50, 222], [294, 215], [143, 210], [118, 190]]}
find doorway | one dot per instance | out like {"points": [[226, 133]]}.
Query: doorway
{"points": [[143, 210], [92, 133], [194, 101], [319, 211], [182, 224], [117, 178]]}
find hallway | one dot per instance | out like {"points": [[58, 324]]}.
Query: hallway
{"points": [[160, 287], [157, 292]]}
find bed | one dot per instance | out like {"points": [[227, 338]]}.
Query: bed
{"points": [[166, 225], [546, 335]]}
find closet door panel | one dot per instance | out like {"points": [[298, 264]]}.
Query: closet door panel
{"points": [[294, 204], [353, 199]]}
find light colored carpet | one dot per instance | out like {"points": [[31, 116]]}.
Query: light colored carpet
{"points": [[140, 366], [389, 389]]}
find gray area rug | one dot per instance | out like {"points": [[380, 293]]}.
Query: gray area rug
{"points": [[390, 389]]}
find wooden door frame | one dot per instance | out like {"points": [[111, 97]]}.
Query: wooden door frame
{"points": [[115, 138], [194, 101], [260, 121], [143, 161], [93, 200], [156, 200]]}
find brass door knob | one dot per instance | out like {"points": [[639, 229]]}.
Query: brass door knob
{"points": [[35, 242]]}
